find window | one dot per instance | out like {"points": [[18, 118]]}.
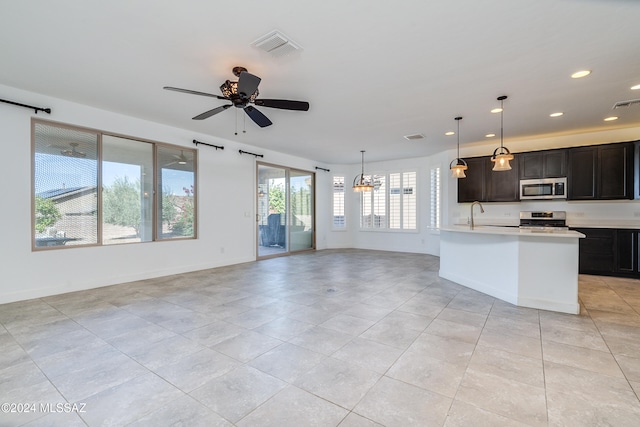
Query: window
{"points": [[435, 198], [176, 190], [127, 190], [391, 204], [70, 165], [402, 201], [338, 203]]}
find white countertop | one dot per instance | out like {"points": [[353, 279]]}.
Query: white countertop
{"points": [[513, 231]]}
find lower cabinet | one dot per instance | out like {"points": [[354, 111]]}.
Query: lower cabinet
{"points": [[609, 252]]}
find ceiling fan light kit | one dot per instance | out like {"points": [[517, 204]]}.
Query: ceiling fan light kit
{"points": [[241, 94]]}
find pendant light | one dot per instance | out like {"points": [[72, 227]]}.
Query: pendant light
{"points": [[501, 155], [457, 169], [361, 184]]}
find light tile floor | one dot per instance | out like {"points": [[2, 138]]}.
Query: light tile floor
{"points": [[327, 338]]}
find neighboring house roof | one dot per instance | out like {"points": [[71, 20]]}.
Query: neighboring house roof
{"points": [[59, 193]]}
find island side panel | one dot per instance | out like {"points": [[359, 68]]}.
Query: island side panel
{"points": [[549, 274], [484, 262]]}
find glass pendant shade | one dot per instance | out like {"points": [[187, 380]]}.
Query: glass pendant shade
{"points": [[458, 165], [457, 169], [501, 160], [501, 155], [361, 183]]}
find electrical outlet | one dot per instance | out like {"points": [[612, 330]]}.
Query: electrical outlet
{"points": [[507, 214], [636, 214], [579, 214], [222, 249]]}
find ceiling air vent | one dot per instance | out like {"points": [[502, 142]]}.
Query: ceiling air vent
{"points": [[622, 104], [276, 44], [414, 136]]}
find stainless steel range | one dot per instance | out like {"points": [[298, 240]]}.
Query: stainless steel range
{"points": [[543, 220]]}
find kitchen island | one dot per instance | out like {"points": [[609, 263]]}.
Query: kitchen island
{"points": [[528, 268]]}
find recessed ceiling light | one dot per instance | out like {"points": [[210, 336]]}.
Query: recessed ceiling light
{"points": [[496, 110], [558, 114], [636, 87], [610, 119], [449, 133], [579, 74], [490, 135]]}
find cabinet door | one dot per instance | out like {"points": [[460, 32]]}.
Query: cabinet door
{"points": [[554, 164], [615, 177], [472, 187], [531, 165], [626, 245], [503, 186], [581, 178], [596, 251]]}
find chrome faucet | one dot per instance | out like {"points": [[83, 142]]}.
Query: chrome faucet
{"points": [[481, 210]]}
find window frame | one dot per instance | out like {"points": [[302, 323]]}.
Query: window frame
{"points": [[385, 178], [342, 207], [99, 210], [435, 198]]}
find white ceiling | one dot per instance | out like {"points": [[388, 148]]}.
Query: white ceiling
{"points": [[372, 70]]}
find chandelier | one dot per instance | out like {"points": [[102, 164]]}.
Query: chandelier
{"points": [[361, 183]]}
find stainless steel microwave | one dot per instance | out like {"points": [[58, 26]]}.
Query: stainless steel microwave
{"points": [[542, 189]]}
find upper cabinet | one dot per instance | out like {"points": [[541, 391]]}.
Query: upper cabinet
{"points": [[503, 186], [543, 164], [473, 187], [485, 185], [596, 172], [601, 172]]}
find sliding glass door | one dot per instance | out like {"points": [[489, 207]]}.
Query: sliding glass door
{"points": [[285, 210]]}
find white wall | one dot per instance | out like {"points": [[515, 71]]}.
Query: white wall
{"points": [[226, 207]]}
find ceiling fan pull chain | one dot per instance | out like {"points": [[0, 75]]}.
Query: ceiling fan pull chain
{"points": [[244, 123], [236, 132]]}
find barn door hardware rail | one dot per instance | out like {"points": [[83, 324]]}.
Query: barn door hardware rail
{"points": [[253, 154], [217, 147], [322, 169], [31, 107]]}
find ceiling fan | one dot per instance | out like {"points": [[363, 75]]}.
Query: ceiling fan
{"points": [[243, 93], [73, 152], [180, 160]]}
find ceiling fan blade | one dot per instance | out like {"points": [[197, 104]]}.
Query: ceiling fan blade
{"points": [[283, 104], [193, 92], [210, 113], [247, 84], [255, 115]]}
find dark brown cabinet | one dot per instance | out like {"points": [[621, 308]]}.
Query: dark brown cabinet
{"points": [[485, 185], [581, 179], [596, 251], [601, 172], [609, 252], [615, 171], [597, 172], [543, 164], [503, 186], [472, 187], [626, 251]]}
